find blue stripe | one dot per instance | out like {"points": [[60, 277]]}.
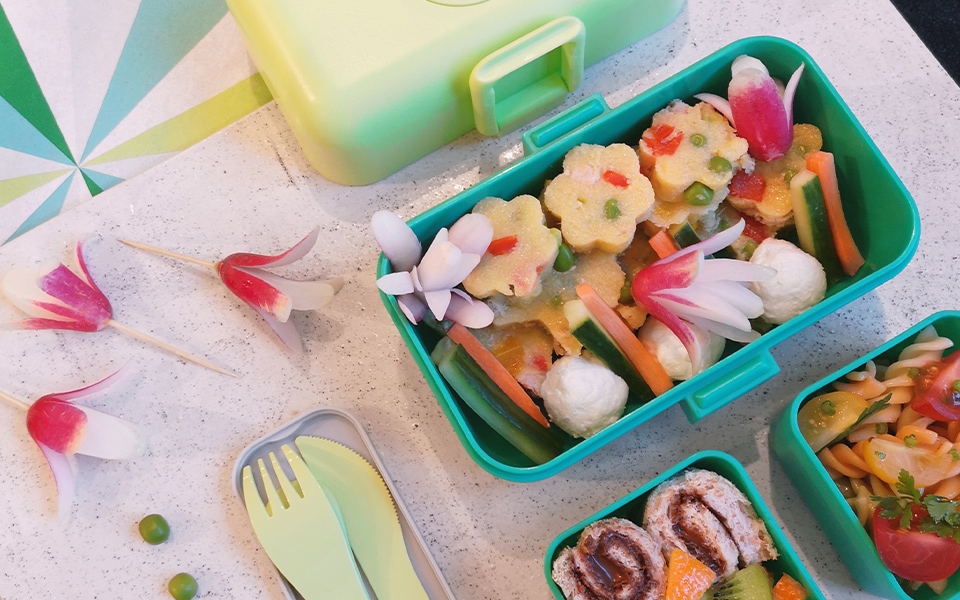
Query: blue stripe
{"points": [[163, 32], [50, 208], [16, 133]]}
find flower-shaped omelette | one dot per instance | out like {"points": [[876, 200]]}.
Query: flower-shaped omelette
{"points": [[600, 197], [521, 249], [690, 153]]}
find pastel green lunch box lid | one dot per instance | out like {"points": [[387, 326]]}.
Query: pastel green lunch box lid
{"points": [[838, 521], [631, 507], [369, 86], [880, 211]]}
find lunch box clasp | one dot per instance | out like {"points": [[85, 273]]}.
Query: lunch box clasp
{"points": [[528, 77]]}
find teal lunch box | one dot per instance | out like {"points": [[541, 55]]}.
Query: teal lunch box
{"points": [[632, 505], [835, 516], [881, 213]]}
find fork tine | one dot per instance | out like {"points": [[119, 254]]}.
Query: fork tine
{"points": [[273, 499], [251, 497], [286, 488], [308, 485]]}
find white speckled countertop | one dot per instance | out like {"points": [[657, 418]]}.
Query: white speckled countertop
{"points": [[249, 188]]}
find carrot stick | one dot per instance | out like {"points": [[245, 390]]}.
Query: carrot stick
{"points": [[788, 588], [663, 244], [496, 371], [823, 165], [642, 360]]}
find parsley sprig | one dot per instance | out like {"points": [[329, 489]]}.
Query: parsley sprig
{"points": [[943, 515]]}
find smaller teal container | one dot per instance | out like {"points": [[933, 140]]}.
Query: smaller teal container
{"points": [[828, 505], [631, 507], [880, 211]]}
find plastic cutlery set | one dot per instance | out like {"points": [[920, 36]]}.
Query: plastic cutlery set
{"points": [[327, 509]]}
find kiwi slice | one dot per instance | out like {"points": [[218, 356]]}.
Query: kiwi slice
{"points": [[749, 583]]}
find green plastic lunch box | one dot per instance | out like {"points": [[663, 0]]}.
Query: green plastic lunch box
{"points": [[369, 86], [632, 505], [881, 213], [836, 518]]}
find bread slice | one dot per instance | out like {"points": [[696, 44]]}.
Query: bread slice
{"points": [[705, 515], [614, 558]]}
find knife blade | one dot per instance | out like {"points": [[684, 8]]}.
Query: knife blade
{"points": [[369, 514]]}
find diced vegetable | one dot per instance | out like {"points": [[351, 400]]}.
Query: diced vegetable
{"points": [[565, 259], [496, 371], [663, 244], [748, 185], [684, 235], [488, 401], [822, 163], [662, 140], [502, 245], [645, 363], [813, 228], [595, 338], [698, 194]]}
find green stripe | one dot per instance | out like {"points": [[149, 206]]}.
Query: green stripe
{"points": [[19, 87], [195, 124]]}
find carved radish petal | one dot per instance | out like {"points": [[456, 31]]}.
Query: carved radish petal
{"points": [[285, 330], [256, 292], [64, 469], [298, 251], [759, 113], [412, 307], [472, 233], [469, 312], [304, 295], [56, 423], [397, 241]]}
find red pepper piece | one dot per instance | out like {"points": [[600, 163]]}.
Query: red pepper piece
{"points": [[748, 187], [502, 245], [615, 179], [662, 140]]}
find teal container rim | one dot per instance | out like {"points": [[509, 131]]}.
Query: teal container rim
{"points": [[740, 478], [801, 451], [754, 356]]}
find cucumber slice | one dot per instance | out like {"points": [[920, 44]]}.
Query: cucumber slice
{"points": [[813, 228], [684, 235], [595, 338], [491, 404]]}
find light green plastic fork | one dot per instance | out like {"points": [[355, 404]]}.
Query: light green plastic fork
{"points": [[302, 532]]}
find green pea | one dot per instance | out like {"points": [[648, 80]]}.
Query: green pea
{"points": [[612, 209], [956, 386], [788, 175], [565, 259], [955, 455], [881, 428], [183, 586], [912, 372], [910, 441], [719, 164], [556, 301], [154, 529], [698, 194], [697, 139], [828, 408]]}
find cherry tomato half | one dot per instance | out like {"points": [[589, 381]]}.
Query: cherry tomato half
{"points": [[936, 386], [914, 555]]}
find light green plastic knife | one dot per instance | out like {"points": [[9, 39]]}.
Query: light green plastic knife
{"points": [[369, 514]]}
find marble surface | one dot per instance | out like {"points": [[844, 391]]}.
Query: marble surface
{"points": [[249, 188]]}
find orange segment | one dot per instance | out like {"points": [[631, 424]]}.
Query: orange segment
{"points": [[687, 577], [788, 588]]}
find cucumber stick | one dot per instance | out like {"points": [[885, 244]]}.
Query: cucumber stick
{"points": [[684, 235], [813, 228], [595, 338], [490, 403]]}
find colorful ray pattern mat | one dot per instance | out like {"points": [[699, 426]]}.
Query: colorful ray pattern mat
{"points": [[95, 92]]}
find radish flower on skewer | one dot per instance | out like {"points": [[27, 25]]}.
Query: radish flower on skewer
{"points": [[686, 288], [59, 298], [273, 297], [758, 108], [63, 429], [428, 281]]}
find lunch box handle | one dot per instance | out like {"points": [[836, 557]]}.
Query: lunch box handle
{"points": [[517, 83], [729, 386], [578, 115]]}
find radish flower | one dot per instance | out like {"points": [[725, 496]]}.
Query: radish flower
{"points": [[758, 109], [686, 288], [62, 429], [429, 281], [58, 298], [273, 297]]}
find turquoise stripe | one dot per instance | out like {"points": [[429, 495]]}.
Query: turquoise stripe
{"points": [[16, 133], [103, 180], [50, 208], [163, 32]]}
